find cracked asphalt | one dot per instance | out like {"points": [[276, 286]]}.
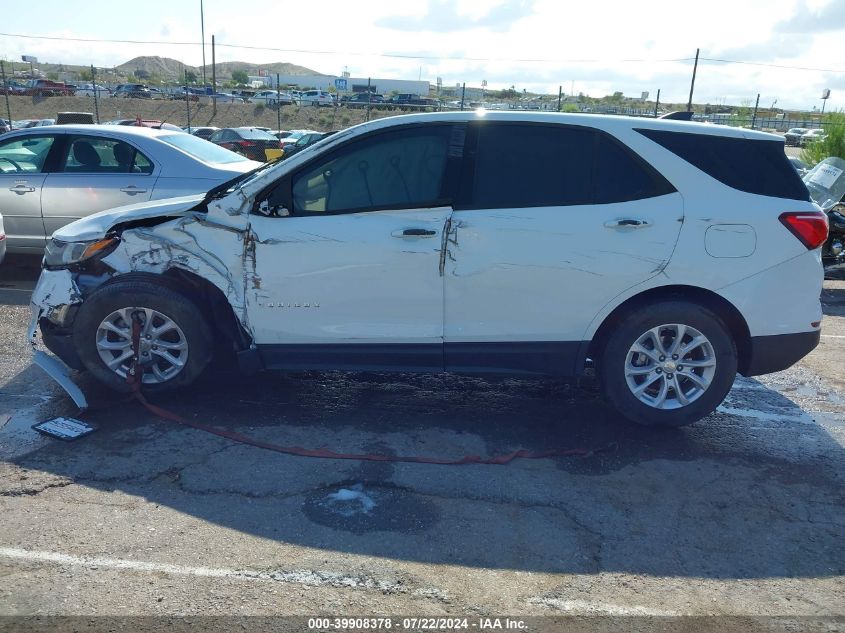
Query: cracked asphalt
{"points": [[741, 514]]}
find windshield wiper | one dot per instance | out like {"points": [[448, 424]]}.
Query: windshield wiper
{"points": [[222, 189]]}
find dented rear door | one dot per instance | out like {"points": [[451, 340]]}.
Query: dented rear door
{"points": [[543, 238]]}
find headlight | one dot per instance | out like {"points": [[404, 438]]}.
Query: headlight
{"points": [[62, 254]]}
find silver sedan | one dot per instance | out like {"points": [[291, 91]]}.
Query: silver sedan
{"points": [[51, 176]]}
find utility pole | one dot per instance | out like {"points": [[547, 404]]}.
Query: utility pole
{"points": [[463, 93], [96, 97], [6, 92], [187, 102], [213, 80], [369, 96], [202, 31], [657, 103], [754, 116], [559, 96], [692, 85], [278, 104]]}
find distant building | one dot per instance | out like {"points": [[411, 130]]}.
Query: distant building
{"points": [[353, 84]]}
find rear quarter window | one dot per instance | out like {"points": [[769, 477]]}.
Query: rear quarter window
{"points": [[751, 165]]}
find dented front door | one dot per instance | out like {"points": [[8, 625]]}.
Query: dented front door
{"points": [[353, 291]]}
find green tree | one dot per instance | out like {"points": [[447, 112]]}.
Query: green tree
{"points": [[191, 76], [834, 142], [240, 77], [85, 74]]}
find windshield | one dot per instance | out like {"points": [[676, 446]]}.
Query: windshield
{"points": [[826, 182], [202, 150]]}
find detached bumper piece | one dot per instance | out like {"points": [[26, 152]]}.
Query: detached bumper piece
{"points": [[778, 352]]}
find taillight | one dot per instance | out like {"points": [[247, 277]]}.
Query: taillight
{"points": [[246, 143], [810, 227]]}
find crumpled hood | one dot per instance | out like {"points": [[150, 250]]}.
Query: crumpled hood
{"points": [[96, 226]]}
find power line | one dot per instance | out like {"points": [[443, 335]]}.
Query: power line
{"points": [[733, 61], [426, 57]]}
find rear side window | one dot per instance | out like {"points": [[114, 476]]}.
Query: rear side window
{"points": [[530, 165], [750, 165]]}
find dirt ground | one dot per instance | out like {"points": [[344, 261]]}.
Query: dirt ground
{"points": [[322, 119]]}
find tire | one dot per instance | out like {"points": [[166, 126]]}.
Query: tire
{"points": [[661, 402], [190, 342]]}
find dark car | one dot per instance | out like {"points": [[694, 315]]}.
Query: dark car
{"points": [[132, 91], [305, 141], [248, 141], [793, 135], [204, 132], [362, 99]]}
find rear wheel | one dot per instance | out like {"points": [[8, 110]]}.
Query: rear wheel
{"points": [[175, 340], [668, 364]]}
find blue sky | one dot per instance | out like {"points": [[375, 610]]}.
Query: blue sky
{"points": [[533, 44]]}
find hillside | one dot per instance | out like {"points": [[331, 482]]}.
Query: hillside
{"points": [[168, 68]]}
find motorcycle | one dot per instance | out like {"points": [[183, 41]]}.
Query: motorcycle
{"points": [[826, 184]]}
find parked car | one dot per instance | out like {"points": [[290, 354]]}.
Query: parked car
{"points": [[48, 88], [53, 175], [151, 123], [5, 126], [2, 240], [415, 102], [812, 136], [249, 141], [793, 135], [272, 98], [28, 123], [316, 98], [293, 136], [132, 91], [88, 90], [13, 88], [306, 140], [362, 100], [204, 132], [224, 97], [371, 252], [280, 134]]}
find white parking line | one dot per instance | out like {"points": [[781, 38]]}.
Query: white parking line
{"points": [[832, 336], [307, 577]]}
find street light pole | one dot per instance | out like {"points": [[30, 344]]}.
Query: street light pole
{"points": [[202, 32]]}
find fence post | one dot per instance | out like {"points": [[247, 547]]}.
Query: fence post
{"points": [[463, 93], [187, 102], [96, 100], [369, 89], [6, 92], [657, 103], [754, 116], [278, 105], [559, 95]]}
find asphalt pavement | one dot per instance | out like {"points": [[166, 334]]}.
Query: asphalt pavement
{"points": [[740, 514]]}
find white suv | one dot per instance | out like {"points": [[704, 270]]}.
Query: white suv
{"points": [[316, 98], [661, 256]]}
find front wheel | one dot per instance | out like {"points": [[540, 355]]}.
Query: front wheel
{"points": [[175, 341], [670, 363]]}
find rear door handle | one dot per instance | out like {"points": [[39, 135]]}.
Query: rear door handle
{"points": [[22, 189], [414, 233], [627, 223], [132, 190]]}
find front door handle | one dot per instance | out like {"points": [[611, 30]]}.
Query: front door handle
{"points": [[627, 223], [132, 190], [22, 189], [414, 233]]}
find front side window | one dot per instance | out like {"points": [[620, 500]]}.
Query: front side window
{"points": [[98, 155], [25, 155], [396, 169]]}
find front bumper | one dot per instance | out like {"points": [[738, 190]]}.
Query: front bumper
{"points": [[775, 353]]}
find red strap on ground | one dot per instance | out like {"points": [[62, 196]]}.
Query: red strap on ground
{"points": [[134, 379]]}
